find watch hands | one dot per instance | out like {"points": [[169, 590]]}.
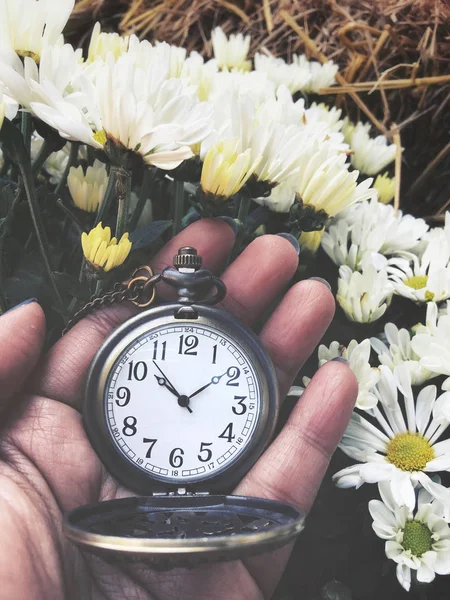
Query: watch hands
{"points": [[182, 400], [164, 383], [214, 381]]}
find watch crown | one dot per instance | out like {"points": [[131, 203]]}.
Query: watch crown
{"points": [[187, 258]]}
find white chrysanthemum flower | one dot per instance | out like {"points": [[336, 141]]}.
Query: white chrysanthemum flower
{"points": [[358, 356], [26, 26], [159, 123], [320, 178], [364, 297], [26, 81], [425, 278], [231, 53], [399, 450], [88, 188], [139, 110], [102, 44], [370, 155], [322, 76], [373, 228], [416, 540], [325, 183], [323, 114], [281, 108], [400, 351], [431, 342], [200, 74], [225, 169], [385, 187], [176, 55], [280, 149], [293, 76]]}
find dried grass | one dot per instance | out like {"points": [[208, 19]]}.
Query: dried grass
{"points": [[394, 59]]}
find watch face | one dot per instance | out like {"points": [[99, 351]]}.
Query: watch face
{"points": [[182, 401]]}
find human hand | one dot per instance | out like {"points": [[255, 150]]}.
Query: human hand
{"points": [[48, 467]]}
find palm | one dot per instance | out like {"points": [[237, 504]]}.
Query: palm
{"points": [[48, 466]]}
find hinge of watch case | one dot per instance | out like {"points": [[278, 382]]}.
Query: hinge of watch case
{"points": [[181, 492]]}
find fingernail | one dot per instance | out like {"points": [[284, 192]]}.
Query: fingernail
{"points": [[340, 359], [29, 301], [322, 280], [231, 222], [292, 240]]}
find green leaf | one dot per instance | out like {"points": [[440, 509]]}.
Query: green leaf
{"points": [[146, 236]]}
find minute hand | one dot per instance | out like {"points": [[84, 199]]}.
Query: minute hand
{"points": [[213, 381]]}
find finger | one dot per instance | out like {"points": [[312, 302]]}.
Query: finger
{"points": [[296, 327], [63, 370], [293, 467], [258, 277], [22, 334]]}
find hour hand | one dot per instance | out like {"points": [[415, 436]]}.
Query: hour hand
{"points": [[163, 382]]}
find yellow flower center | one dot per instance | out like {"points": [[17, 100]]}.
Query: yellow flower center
{"points": [[417, 282], [417, 538], [100, 137], [409, 451], [29, 54]]}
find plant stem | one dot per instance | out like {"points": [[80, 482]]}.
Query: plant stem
{"points": [[70, 163], [39, 226], [244, 207], [108, 197], [44, 153], [26, 131], [243, 211], [71, 216], [178, 207], [123, 187], [143, 197]]}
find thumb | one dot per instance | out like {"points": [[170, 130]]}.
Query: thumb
{"points": [[22, 334]]}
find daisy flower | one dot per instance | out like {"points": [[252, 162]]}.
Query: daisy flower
{"points": [[417, 540], [371, 228], [399, 350], [231, 53], [397, 442], [364, 297], [425, 278]]}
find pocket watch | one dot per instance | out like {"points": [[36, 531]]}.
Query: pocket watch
{"points": [[180, 402]]}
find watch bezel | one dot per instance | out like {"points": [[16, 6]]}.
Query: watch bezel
{"points": [[94, 413]]}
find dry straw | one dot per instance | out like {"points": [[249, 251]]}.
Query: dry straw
{"points": [[394, 59]]}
